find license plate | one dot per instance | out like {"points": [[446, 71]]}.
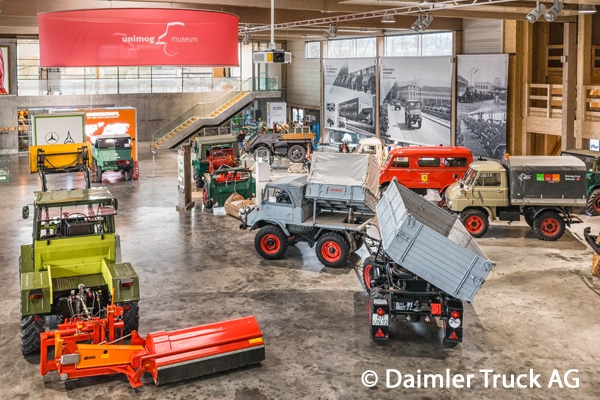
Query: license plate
{"points": [[383, 320]]}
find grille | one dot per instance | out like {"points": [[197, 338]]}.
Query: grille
{"points": [[71, 282]]}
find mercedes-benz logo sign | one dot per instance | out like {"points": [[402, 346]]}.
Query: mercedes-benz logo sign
{"points": [[51, 137]]}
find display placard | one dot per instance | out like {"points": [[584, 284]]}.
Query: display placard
{"points": [[58, 129]]}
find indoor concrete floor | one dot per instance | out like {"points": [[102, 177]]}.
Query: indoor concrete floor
{"points": [[535, 315]]}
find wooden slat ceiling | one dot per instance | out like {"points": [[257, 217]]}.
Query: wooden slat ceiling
{"points": [[18, 17]]}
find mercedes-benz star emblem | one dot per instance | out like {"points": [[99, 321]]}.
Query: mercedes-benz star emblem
{"points": [[51, 137]]}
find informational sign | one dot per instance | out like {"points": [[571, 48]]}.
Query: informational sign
{"points": [[58, 129], [277, 113], [110, 121], [138, 36]]}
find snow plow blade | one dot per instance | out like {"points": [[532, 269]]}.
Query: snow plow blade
{"points": [[203, 350]]}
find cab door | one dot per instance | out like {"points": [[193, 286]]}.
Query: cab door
{"points": [[490, 189]]}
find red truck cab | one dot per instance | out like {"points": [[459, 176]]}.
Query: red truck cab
{"points": [[425, 167]]}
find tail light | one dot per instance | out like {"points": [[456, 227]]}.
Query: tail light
{"points": [[35, 294], [380, 312], [127, 282], [455, 314]]}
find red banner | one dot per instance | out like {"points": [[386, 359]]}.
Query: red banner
{"points": [[138, 36]]}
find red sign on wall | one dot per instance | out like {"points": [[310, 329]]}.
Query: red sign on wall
{"points": [[138, 36]]}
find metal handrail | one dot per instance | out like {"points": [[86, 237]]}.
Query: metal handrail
{"points": [[205, 109]]}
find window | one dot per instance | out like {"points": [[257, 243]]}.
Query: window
{"points": [[428, 162], [400, 162], [425, 44], [456, 162], [312, 50], [352, 48], [489, 179]]}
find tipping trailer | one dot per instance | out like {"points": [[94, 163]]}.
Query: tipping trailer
{"points": [[423, 265], [328, 209], [544, 189]]}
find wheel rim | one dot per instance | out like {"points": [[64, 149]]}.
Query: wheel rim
{"points": [[549, 226], [331, 251], [474, 224], [597, 203], [367, 274], [270, 244]]}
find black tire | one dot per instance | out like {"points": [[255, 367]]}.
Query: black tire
{"points": [[419, 125], [593, 203], [528, 215], [96, 173], [297, 153], [332, 250], [360, 242], [31, 327], [199, 181], [129, 174], [271, 243], [549, 226], [368, 266], [131, 317], [476, 222]]}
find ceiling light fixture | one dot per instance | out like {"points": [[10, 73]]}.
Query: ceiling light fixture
{"points": [[246, 39], [388, 19], [331, 32], [415, 25], [552, 13], [426, 22], [536, 13], [422, 23], [587, 9]]}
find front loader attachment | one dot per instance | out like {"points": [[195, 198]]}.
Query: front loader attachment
{"points": [[168, 356]]}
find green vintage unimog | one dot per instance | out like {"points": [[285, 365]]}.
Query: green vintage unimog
{"points": [[213, 152], [73, 267], [112, 153], [592, 177]]}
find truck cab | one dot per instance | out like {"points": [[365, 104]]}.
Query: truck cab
{"points": [[484, 185], [412, 114], [112, 153], [425, 167]]}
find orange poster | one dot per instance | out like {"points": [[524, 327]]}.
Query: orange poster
{"points": [[111, 121]]}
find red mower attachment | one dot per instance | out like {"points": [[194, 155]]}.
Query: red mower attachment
{"points": [[169, 356]]}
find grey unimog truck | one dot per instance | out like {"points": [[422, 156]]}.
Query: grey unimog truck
{"points": [[423, 264], [328, 209]]}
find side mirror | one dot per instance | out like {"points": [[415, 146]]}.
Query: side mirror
{"points": [[25, 212]]}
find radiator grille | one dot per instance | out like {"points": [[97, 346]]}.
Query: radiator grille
{"points": [[72, 282]]}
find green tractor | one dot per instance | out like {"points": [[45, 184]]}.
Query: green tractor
{"points": [[112, 153], [592, 178], [213, 152], [73, 267]]}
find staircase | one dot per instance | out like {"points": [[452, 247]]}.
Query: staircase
{"points": [[209, 114]]}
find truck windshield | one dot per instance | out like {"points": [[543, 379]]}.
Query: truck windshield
{"points": [[74, 220], [468, 178], [116, 143]]}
